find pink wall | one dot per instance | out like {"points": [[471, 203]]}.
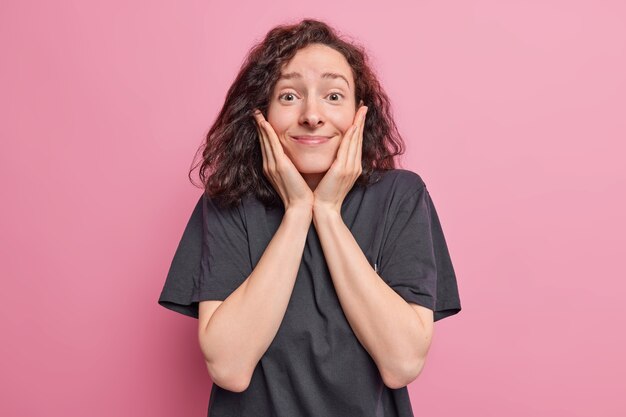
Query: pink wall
{"points": [[513, 113]]}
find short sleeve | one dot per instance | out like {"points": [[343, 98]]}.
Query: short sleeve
{"points": [[211, 261], [415, 261]]}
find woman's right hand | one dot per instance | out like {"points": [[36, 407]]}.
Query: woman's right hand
{"points": [[280, 170]]}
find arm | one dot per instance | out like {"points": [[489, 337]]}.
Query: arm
{"points": [[244, 325], [395, 333]]}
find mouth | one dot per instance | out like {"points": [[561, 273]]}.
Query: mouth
{"points": [[311, 140]]}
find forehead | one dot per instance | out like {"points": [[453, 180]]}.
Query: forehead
{"points": [[317, 62]]}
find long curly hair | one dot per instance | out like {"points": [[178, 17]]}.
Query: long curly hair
{"points": [[232, 162]]}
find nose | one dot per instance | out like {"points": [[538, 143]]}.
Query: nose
{"points": [[311, 115]]}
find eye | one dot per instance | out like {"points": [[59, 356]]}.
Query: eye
{"points": [[285, 94], [292, 94], [335, 94]]}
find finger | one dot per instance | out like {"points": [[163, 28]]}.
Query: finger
{"points": [[359, 151], [265, 146], [269, 151], [342, 152], [261, 144], [351, 147], [354, 139], [273, 140]]}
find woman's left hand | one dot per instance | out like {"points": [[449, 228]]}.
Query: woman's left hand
{"points": [[345, 170]]}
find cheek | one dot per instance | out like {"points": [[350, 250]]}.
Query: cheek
{"points": [[343, 121], [273, 116], [334, 148], [279, 121]]}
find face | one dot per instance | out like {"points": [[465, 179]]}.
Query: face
{"points": [[313, 104]]}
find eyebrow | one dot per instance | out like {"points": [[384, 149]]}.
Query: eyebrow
{"points": [[297, 75]]}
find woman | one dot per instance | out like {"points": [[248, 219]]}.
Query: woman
{"points": [[316, 269]]}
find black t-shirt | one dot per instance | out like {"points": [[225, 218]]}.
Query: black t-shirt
{"points": [[315, 365]]}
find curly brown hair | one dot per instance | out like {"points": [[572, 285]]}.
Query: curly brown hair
{"points": [[232, 162]]}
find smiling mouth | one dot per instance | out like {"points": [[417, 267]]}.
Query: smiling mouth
{"points": [[311, 140]]}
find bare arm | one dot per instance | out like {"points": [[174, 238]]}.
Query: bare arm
{"points": [[395, 333], [241, 329]]}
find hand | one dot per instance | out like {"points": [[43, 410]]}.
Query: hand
{"points": [[278, 168], [345, 170]]}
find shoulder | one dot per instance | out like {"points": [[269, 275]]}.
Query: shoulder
{"points": [[216, 212], [400, 182]]}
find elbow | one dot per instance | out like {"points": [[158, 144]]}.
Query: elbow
{"points": [[416, 371], [229, 375], [229, 381], [237, 386], [397, 380]]}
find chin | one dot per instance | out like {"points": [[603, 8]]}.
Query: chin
{"points": [[312, 167]]}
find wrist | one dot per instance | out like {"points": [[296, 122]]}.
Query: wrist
{"points": [[326, 214], [299, 213]]}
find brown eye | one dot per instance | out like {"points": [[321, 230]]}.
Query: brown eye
{"points": [[335, 94], [285, 94]]}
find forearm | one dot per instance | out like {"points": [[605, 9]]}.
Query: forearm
{"points": [[244, 325], [385, 324]]}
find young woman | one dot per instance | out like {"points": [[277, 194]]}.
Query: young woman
{"points": [[315, 267]]}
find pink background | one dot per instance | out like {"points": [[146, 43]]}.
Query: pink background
{"points": [[513, 113]]}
